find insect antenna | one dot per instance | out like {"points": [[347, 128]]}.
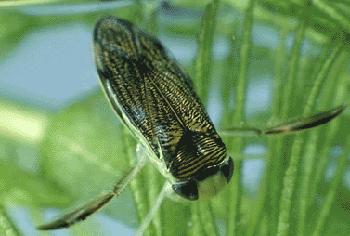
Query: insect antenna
{"points": [[91, 207]]}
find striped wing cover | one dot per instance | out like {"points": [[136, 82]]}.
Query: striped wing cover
{"points": [[145, 85]]}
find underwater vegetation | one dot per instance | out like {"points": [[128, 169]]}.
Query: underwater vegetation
{"points": [[253, 64]]}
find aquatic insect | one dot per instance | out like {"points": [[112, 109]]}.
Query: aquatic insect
{"points": [[155, 99]]}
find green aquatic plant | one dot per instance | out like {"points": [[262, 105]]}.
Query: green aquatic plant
{"points": [[81, 149]]}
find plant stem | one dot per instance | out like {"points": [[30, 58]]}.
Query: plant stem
{"points": [[203, 69], [332, 13], [257, 215], [196, 228], [233, 219], [328, 203], [203, 63], [323, 160], [275, 162], [293, 70], [310, 148], [292, 170], [207, 219]]}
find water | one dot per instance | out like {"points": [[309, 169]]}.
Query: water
{"points": [[51, 67]]}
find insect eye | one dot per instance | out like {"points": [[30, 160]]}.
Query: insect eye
{"points": [[187, 189], [227, 169]]}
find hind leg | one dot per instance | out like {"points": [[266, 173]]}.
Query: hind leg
{"points": [[300, 124]]}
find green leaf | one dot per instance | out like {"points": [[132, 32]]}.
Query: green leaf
{"points": [[17, 24], [6, 225], [83, 154], [27, 188]]}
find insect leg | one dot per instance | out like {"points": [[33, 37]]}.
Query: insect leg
{"points": [[289, 127], [91, 207], [315, 120], [241, 132], [147, 220]]}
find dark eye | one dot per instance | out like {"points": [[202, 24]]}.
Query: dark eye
{"points": [[227, 169], [187, 189]]}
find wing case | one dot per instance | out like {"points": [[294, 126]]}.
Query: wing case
{"points": [[146, 87]]}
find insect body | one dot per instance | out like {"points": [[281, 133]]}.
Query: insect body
{"points": [[155, 99]]}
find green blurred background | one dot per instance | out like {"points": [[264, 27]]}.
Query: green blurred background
{"points": [[255, 63]]}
